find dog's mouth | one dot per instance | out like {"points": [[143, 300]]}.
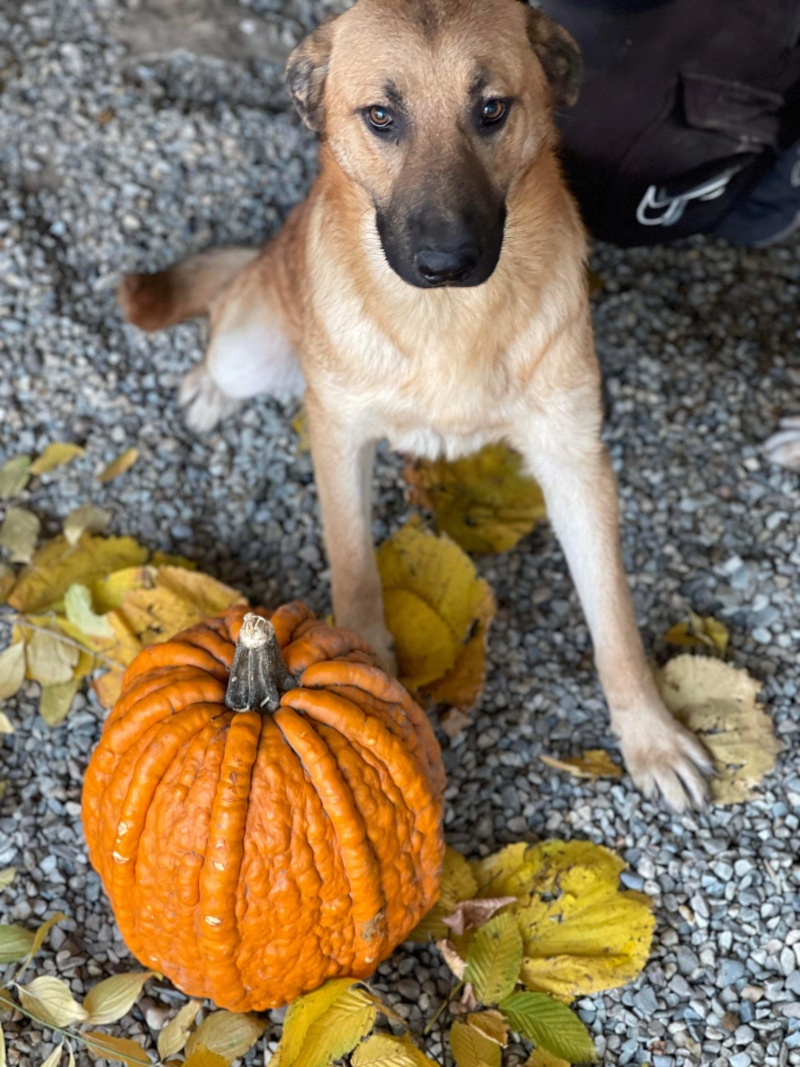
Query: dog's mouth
{"points": [[442, 253]]}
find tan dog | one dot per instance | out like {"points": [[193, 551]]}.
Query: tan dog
{"points": [[431, 290]]}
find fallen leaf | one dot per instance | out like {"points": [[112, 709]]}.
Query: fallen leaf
{"points": [[203, 1057], [2, 1048], [7, 580], [54, 1056], [452, 957], [438, 610], [7, 876], [14, 476], [56, 701], [494, 959], [457, 884], [111, 999], [56, 455], [300, 427], [471, 1048], [470, 914], [491, 1024], [5, 724], [338, 1030], [107, 688], [58, 564], [226, 1033], [304, 1012], [80, 612], [119, 465], [386, 1050], [116, 1049], [167, 559], [173, 1036], [86, 519], [15, 943], [581, 934], [594, 763], [50, 660], [43, 930], [541, 1058], [718, 703], [49, 999], [702, 632], [484, 502], [550, 1025], [12, 670], [19, 534]]}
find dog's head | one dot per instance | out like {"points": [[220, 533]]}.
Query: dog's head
{"points": [[434, 108]]}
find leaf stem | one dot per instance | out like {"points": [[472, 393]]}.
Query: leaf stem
{"points": [[23, 620], [448, 1000]]}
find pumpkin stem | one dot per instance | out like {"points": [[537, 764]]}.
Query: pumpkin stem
{"points": [[258, 677]]}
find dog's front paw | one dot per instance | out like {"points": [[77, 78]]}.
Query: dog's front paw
{"points": [[204, 403], [664, 758], [784, 446]]}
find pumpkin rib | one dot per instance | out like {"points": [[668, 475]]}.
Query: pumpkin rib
{"points": [[184, 687], [358, 858], [192, 654]]}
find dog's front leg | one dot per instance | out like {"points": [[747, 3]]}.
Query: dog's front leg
{"points": [[343, 454], [564, 452]]}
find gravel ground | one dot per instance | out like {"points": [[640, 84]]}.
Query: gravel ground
{"points": [[117, 154]]}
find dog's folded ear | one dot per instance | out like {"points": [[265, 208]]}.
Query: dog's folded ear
{"points": [[559, 55], [306, 72]]}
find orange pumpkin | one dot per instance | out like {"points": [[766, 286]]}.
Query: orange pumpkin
{"points": [[264, 815]]}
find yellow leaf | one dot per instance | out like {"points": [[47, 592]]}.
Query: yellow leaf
{"points": [[491, 1024], [228, 1034], [457, 884], [581, 935], [300, 427], [303, 1012], [86, 519], [56, 455], [43, 930], [58, 564], [484, 501], [14, 475], [437, 609], [5, 724], [108, 687], [116, 1049], [718, 703], [119, 465], [494, 959], [51, 661], [19, 534], [203, 1057], [594, 763], [81, 613], [54, 1056], [542, 1058], [7, 876], [471, 1049], [386, 1050], [109, 591], [702, 632], [15, 943], [50, 1001], [2, 1048], [7, 580], [12, 670], [56, 701], [166, 559], [114, 997], [337, 1032], [173, 1036]]}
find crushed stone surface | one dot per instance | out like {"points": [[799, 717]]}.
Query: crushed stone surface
{"points": [[134, 132]]}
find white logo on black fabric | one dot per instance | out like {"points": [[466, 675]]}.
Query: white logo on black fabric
{"points": [[670, 208]]}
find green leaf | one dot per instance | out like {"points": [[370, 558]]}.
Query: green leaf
{"points": [[471, 1049], [7, 876], [494, 959], [302, 1014], [337, 1032], [51, 661], [12, 670], [19, 534], [549, 1024], [114, 997], [386, 1050], [80, 612], [56, 455], [54, 1056], [87, 518], [14, 476], [57, 700], [15, 943], [116, 1049], [173, 1036], [50, 1001], [226, 1033]]}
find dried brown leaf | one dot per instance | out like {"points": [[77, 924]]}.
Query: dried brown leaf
{"points": [[49, 999], [452, 958], [86, 519], [19, 534], [173, 1036], [594, 763], [470, 914]]}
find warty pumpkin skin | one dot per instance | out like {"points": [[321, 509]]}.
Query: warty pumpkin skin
{"points": [[251, 855]]}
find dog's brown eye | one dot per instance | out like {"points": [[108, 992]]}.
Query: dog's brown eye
{"points": [[493, 111], [379, 118]]}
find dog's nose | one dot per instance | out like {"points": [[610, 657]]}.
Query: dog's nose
{"points": [[440, 266]]}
